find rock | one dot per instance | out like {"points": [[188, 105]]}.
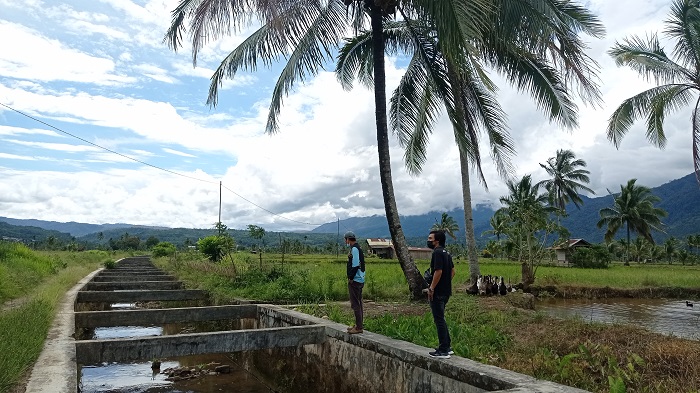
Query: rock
{"points": [[521, 300], [223, 369]]}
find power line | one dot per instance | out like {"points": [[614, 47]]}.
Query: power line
{"points": [[271, 212], [102, 147], [153, 166]]}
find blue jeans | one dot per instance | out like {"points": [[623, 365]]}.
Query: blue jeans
{"points": [[437, 306]]}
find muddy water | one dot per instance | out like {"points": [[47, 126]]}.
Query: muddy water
{"points": [[665, 316], [139, 378]]}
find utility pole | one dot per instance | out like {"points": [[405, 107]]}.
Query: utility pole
{"points": [[219, 207], [337, 240]]}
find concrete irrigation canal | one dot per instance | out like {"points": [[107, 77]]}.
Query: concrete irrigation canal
{"points": [[109, 321]]}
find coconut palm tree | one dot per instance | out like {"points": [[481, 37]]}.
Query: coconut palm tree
{"points": [[527, 210], [634, 209], [678, 78], [567, 179], [306, 33], [447, 224], [671, 248], [499, 224], [509, 41]]}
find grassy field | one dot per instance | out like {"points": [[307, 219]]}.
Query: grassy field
{"points": [[31, 285], [595, 357], [311, 278]]}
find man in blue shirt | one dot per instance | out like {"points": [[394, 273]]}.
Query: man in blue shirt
{"points": [[356, 280]]}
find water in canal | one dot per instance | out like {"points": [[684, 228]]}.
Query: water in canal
{"points": [[140, 378], [665, 316]]}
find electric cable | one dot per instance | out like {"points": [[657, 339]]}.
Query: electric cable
{"points": [[271, 212], [154, 166], [103, 148]]}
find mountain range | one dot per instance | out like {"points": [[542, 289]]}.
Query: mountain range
{"points": [[680, 198]]}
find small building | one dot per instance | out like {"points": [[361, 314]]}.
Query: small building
{"points": [[563, 251], [384, 248], [420, 252]]}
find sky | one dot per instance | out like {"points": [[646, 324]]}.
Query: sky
{"points": [[101, 122]]}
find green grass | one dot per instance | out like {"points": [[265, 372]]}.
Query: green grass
{"points": [[22, 334], [40, 280], [475, 334], [318, 278]]}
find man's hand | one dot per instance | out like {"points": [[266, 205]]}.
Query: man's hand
{"points": [[431, 293]]}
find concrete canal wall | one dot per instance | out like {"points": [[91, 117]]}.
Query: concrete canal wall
{"points": [[290, 350]]}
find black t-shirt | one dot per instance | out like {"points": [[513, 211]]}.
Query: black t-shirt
{"points": [[442, 260]]}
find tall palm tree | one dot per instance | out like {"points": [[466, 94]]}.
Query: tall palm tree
{"points": [[447, 224], [567, 179], [633, 208], [306, 33], [509, 41], [678, 78]]}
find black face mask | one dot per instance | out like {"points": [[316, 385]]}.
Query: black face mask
{"points": [[430, 244]]}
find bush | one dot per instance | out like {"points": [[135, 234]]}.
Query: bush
{"points": [[215, 247], [163, 249], [594, 257], [109, 264]]}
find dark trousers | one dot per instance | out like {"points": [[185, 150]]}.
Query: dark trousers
{"points": [[355, 290], [437, 306]]}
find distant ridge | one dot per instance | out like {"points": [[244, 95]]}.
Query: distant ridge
{"points": [[74, 228], [680, 198]]}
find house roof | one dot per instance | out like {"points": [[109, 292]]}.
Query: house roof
{"points": [[379, 243], [572, 243], [420, 249]]}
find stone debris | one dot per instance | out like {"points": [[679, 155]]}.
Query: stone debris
{"points": [[175, 374]]}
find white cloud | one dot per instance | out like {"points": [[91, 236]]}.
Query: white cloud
{"points": [[51, 60], [16, 157], [178, 153], [54, 146], [154, 72], [136, 97]]}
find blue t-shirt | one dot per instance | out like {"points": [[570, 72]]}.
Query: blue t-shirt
{"points": [[360, 275]]}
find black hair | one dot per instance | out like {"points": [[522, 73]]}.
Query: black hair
{"points": [[440, 237]]}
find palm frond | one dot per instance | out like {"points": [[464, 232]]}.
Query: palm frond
{"points": [[355, 57], [533, 75], [354, 61], [311, 51], [683, 25], [649, 59], [485, 110], [654, 103], [173, 37]]}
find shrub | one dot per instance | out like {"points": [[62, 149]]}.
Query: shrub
{"points": [[594, 257], [216, 246], [163, 249], [109, 264]]}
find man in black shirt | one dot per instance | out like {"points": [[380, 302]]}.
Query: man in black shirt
{"points": [[440, 290]]}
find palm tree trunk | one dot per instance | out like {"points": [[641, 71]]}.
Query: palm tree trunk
{"points": [[415, 280], [472, 255], [627, 252]]}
